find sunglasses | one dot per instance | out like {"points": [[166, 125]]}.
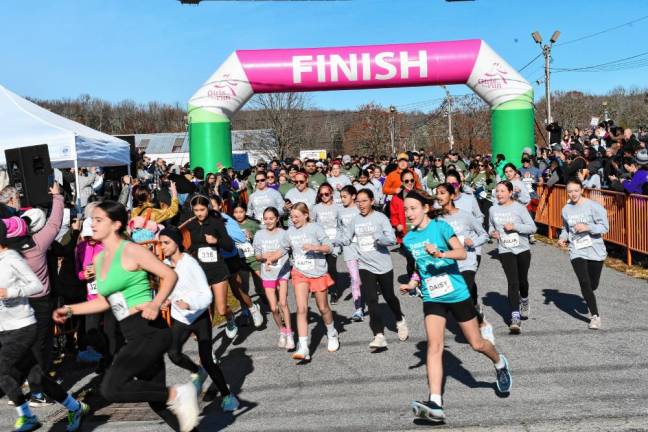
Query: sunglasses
{"points": [[300, 181], [260, 180], [325, 194], [408, 181]]}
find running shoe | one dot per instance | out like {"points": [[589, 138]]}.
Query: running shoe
{"points": [[185, 407], [487, 332], [358, 315], [88, 356], [230, 403], [516, 325], [525, 309], [39, 401], [257, 316], [282, 340], [199, 378], [26, 423], [231, 330], [302, 353], [74, 418], [428, 410], [378, 341], [290, 341], [403, 331], [504, 379], [334, 299], [532, 239], [333, 343], [595, 322]]}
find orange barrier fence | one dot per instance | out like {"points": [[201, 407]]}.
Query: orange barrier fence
{"points": [[627, 215]]}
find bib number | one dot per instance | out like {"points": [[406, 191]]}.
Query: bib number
{"points": [[92, 288], [118, 305], [245, 250], [583, 242], [510, 240], [207, 255], [304, 264], [438, 286], [366, 243]]}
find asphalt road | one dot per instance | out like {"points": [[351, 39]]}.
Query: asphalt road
{"points": [[565, 377]]}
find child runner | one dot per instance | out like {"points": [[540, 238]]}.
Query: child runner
{"points": [[584, 223], [271, 250], [309, 244], [325, 214], [346, 213], [511, 225], [249, 227], [436, 249]]}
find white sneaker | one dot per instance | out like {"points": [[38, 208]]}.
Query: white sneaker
{"points": [[231, 329], [378, 341], [257, 316], [198, 379], [302, 353], [290, 341], [333, 342], [403, 331], [487, 332], [185, 407], [282, 340], [595, 322]]}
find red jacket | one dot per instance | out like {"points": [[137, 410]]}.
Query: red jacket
{"points": [[397, 217]]}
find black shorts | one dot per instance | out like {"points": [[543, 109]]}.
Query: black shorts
{"points": [[235, 264], [462, 311], [216, 272]]}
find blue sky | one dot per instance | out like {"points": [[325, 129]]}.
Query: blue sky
{"points": [[160, 50]]}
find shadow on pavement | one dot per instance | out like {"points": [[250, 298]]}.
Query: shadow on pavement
{"points": [[571, 304], [499, 303]]}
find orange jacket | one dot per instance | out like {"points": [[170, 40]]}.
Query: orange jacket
{"points": [[393, 182]]}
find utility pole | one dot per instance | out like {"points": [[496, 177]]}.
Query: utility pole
{"points": [[392, 127], [546, 51], [449, 115]]}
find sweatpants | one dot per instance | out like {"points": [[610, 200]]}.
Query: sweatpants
{"points": [[516, 268], [202, 328], [370, 283], [588, 273], [42, 347]]}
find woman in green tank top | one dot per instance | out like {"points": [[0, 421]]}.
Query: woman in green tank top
{"points": [[138, 372]]}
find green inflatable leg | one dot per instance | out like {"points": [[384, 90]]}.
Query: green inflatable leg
{"points": [[210, 140], [512, 130]]}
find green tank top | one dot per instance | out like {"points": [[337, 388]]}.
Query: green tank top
{"points": [[132, 285]]}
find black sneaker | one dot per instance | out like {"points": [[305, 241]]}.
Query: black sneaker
{"points": [[428, 410], [504, 379]]}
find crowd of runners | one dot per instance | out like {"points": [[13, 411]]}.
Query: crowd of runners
{"points": [[174, 242]]}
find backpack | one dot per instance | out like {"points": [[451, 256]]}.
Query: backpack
{"points": [[142, 228]]}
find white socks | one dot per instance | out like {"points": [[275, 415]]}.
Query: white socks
{"points": [[330, 330], [500, 364], [436, 398]]}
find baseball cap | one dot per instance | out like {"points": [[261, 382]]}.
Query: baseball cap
{"points": [[403, 155]]}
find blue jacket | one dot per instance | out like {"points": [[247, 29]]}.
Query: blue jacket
{"points": [[635, 184], [236, 233]]}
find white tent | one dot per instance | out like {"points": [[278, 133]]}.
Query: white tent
{"points": [[71, 144]]}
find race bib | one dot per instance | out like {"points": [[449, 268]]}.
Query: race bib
{"points": [[366, 243], [483, 194], [245, 250], [304, 264], [510, 240], [92, 288], [438, 286], [207, 255], [331, 233], [118, 305], [582, 242]]}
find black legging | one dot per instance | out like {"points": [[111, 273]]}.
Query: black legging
{"points": [[409, 260], [331, 262], [370, 282], [180, 332], [516, 268], [138, 373], [588, 273], [469, 277]]}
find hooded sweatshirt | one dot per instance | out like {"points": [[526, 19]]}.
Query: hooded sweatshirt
{"points": [[20, 282]]}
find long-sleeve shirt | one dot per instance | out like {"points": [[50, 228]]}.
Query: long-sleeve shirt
{"points": [[345, 216], [261, 200], [158, 215], [517, 240], [338, 183], [265, 242], [635, 184], [20, 282], [310, 264], [237, 235], [36, 256], [588, 245], [308, 196], [522, 194], [466, 226], [214, 226], [192, 288], [374, 234], [85, 254], [393, 181]]}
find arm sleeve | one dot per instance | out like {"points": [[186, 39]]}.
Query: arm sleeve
{"points": [[523, 196], [250, 209], [169, 212], [387, 236], [78, 262], [527, 226], [476, 211], [601, 224], [564, 233], [123, 195], [27, 284], [279, 203], [390, 187], [225, 242], [201, 297], [491, 222], [322, 238], [46, 236], [478, 229]]}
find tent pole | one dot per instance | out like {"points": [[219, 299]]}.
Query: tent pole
{"points": [[76, 185]]}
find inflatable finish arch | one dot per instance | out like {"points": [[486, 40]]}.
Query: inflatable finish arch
{"points": [[470, 62]]}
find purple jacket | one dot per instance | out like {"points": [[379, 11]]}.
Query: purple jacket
{"points": [[634, 186], [35, 257]]}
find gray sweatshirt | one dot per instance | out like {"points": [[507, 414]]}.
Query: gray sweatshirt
{"points": [[266, 241], [466, 226], [516, 241], [310, 264], [307, 196], [588, 245], [345, 215], [261, 200], [340, 181], [374, 234], [522, 196], [20, 282], [327, 217]]}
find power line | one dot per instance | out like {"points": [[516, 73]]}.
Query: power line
{"points": [[619, 64], [602, 31], [530, 62]]}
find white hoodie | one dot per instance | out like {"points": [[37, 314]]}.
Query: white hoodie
{"points": [[192, 288], [20, 282]]}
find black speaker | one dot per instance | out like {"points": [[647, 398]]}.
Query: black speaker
{"points": [[30, 172], [117, 172]]}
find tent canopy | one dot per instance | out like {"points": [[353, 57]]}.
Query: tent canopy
{"points": [[23, 124]]}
